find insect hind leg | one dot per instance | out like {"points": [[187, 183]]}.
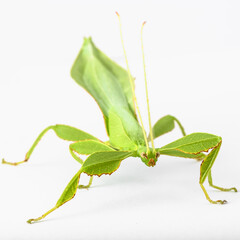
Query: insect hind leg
{"points": [[209, 199], [205, 170], [78, 159], [86, 186]]}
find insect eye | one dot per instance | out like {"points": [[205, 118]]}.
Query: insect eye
{"points": [[144, 155], [157, 154]]}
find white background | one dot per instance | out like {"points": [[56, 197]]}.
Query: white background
{"points": [[192, 57]]}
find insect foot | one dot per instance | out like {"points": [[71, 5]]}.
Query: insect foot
{"points": [[86, 186], [233, 189], [30, 221], [14, 163], [222, 201], [209, 199]]}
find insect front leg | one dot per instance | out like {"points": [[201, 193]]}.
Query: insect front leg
{"points": [[78, 159], [87, 147], [68, 194], [219, 188], [97, 163], [62, 131]]}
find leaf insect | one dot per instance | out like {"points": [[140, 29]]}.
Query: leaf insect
{"points": [[113, 89]]}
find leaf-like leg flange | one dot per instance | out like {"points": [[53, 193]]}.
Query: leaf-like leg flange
{"points": [[88, 147], [77, 158], [164, 125], [96, 164], [86, 186], [194, 146], [205, 169], [219, 188], [68, 193]]}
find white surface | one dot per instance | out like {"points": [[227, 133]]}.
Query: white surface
{"points": [[193, 58]]}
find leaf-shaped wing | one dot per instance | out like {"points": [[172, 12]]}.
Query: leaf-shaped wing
{"points": [[105, 80]]}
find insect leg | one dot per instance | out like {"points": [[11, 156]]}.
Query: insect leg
{"points": [[30, 150], [206, 168], [77, 158], [86, 186], [62, 131], [180, 125], [68, 194], [209, 199], [164, 125], [96, 164], [219, 188], [197, 145], [87, 147]]}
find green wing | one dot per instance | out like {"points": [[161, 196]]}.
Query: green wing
{"points": [[109, 85]]}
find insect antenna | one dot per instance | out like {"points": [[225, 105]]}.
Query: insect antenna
{"points": [[146, 88], [132, 85]]}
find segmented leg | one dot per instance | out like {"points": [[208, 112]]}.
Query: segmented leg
{"points": [[96, 164], [86, 186], [78, 159], [209, 199], [180, 126], [206, 168], [219, 188], [164, 125], [197, 145], [68, 194], [64, 132], [87, 147], [30, 150]]}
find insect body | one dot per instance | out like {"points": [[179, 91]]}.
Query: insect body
{"points": [[113, 89]]}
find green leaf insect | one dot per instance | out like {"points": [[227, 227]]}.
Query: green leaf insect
{"points": [[113, 89]]}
